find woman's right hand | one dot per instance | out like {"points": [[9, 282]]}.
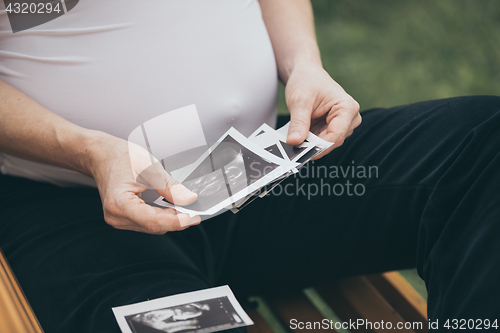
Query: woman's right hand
{"points": [[121, 170], [124, 170]]}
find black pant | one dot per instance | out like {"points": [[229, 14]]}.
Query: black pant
{"points": [[429, 197]]}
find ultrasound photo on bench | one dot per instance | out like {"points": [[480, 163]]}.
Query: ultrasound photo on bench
{"points": [[202, 311], [211, 315]]}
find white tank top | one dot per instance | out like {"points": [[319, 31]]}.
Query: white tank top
{"points": [[112, 65]]}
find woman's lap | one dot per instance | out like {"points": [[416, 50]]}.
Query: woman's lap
{"points": [[74, 268]]}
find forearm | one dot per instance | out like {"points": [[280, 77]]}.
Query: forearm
{"points": [[30, 131], [290, 24]]}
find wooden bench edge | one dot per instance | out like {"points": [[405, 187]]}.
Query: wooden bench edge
{"points": [[16, 314]]}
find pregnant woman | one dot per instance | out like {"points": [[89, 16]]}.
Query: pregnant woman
{"points": [[81, 240]]}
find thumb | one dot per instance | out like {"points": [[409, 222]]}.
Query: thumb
{"points": [[176, 193], [300, 123], [166, 186]]}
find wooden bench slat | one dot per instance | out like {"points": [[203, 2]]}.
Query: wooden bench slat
{"points": [[16, 314], [297, 306], [402, 296], [364, 301], [337, 301], [260, 324]]}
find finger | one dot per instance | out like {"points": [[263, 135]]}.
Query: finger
{"points": [[166, 186], [185, 222], [337, 129], [153, 219], [124, 224], [354, 123], [356, 120], [340, 119], [164, 220], [177, 193], [300, 122]]}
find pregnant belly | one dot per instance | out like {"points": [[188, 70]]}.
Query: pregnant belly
{"points": [[116, 71]]}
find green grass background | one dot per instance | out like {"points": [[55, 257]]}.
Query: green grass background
{"points": [[392, 52]]}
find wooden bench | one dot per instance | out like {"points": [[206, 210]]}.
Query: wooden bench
{"points": [[16, 315], [373, 298], [388, 297]]}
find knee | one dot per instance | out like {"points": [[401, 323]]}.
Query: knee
{"points": [[476, 109], [478, 115], [481, 122]]}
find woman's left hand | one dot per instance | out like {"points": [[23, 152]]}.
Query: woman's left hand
{"points": [[319, 104]]}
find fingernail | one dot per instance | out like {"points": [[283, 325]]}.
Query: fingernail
{"points": [[185, 220], [187, 194], [294, 136]]}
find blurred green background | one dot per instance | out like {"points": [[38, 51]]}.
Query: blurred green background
{"points": [[391, 52]]}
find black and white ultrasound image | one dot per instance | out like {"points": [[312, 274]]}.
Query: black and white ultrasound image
{"points": [[228, 169]]}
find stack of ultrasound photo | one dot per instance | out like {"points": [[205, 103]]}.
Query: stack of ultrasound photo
{"points": [[236, 170]]}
